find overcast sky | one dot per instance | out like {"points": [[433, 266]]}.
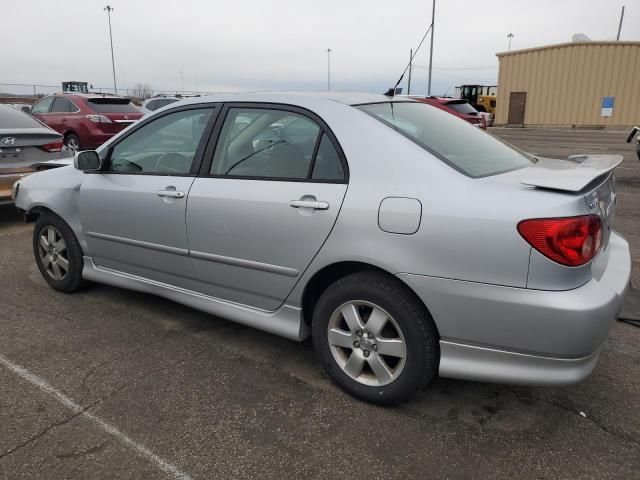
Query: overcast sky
{"points": [[281, 44]]}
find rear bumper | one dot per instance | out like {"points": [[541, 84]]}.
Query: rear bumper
{"points": [[516, 335], [6, 182]]}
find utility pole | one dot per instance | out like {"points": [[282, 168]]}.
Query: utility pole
{"points": [[109, 9], [510, 36], [620, 26], [433, 20], [329, 69], [410, 62]]}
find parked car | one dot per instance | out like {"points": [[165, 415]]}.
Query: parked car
{"points": [[86, 120], [162, 100], [407, 243], [24, 141], [635, 132], [459, 108]]}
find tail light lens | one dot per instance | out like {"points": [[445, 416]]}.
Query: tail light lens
{"points": [[98, 118], [571, 241], [53, 147]]}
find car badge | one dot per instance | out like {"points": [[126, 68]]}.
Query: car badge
{"points": [[126, 117], [593, 204], [8, 141]]}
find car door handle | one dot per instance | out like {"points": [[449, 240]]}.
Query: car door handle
{"points": [[170, 194], [309, 204]]}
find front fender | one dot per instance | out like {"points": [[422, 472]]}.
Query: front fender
{"points": [[56, 190]]}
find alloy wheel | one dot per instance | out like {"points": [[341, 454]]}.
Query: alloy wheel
{"points": [[366, 343], [53, 253], [72, 144]]}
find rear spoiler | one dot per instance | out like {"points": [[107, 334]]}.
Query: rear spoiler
{"points": [[572, 175]]}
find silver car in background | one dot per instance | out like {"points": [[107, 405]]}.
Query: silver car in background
{"points": [[404, 241], [24, 143]]}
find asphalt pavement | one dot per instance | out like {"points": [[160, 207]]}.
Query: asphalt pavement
{"points": [[108, 383]]}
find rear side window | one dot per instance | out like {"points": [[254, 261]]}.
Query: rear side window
{"points": [[455, 141], [63, 105], [265, 143], [112, 105], [152, 105], [327, 165]]}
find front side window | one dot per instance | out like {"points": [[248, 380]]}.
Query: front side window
{"points": [[167, 145], [265, 143], [43, 105], [455, 141]]}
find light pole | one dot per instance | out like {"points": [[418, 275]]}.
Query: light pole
{"points": [[109, 9], [329, 69], [510, 36], [433, 20]]}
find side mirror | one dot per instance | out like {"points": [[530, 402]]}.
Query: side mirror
{"points": [[26, 110], [87, 161]]}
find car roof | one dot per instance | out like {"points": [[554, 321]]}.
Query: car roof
{"points": [[347, 98]]}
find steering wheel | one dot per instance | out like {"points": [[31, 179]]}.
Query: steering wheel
{"points": [[173, 162]]}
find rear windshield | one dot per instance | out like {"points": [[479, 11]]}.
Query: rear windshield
{"points": [[112, 105], [455, 141], [462, 107], [13, 118]]}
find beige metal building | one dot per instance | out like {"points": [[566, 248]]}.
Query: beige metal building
{"points": [[579, 84]]}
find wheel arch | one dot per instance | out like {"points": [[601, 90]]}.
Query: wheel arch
{"points": [[327, 275]]}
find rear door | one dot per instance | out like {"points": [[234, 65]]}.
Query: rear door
{"points": [[268, 196], [58, 116], [133, 211]]}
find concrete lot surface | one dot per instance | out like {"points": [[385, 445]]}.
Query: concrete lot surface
{"points": [[108, 383]]}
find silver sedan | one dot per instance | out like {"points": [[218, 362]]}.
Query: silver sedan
{"points": [[405, 241]]}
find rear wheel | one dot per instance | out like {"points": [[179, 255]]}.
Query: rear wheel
{"points": [[374, 338], [58, 254], [72, 142]]}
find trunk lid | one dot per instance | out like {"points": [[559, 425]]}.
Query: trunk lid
{"points": [[571, 175]]}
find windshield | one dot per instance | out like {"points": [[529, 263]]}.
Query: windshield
{"points": [[455, 141], [462, 107]]}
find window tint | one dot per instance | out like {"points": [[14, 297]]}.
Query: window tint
{"points": [[152, 105], [457, 142], [166, 145], [265, 143], [112, 105], [42, 106], [328, 165], [62, 105]]}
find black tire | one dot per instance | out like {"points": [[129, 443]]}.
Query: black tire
{"points": [[72, 280], [72, 139], [417, 328]]}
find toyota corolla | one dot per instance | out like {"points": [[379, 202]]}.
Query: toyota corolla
{"points": [[406, 242]]}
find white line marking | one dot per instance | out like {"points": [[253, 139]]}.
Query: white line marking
{"points": [[43, 385]]}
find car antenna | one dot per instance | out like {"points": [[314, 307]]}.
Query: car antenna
{"points": [[393, 91]]}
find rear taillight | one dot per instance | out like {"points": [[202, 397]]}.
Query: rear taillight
{"points": [[53, 147], [98, 118], [570, 241]]}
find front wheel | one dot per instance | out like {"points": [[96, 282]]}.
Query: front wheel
{"points": [[374, 338], [58, 253]]}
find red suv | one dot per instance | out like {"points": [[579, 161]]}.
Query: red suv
{"points": [[459, 108], [85, 120]]}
